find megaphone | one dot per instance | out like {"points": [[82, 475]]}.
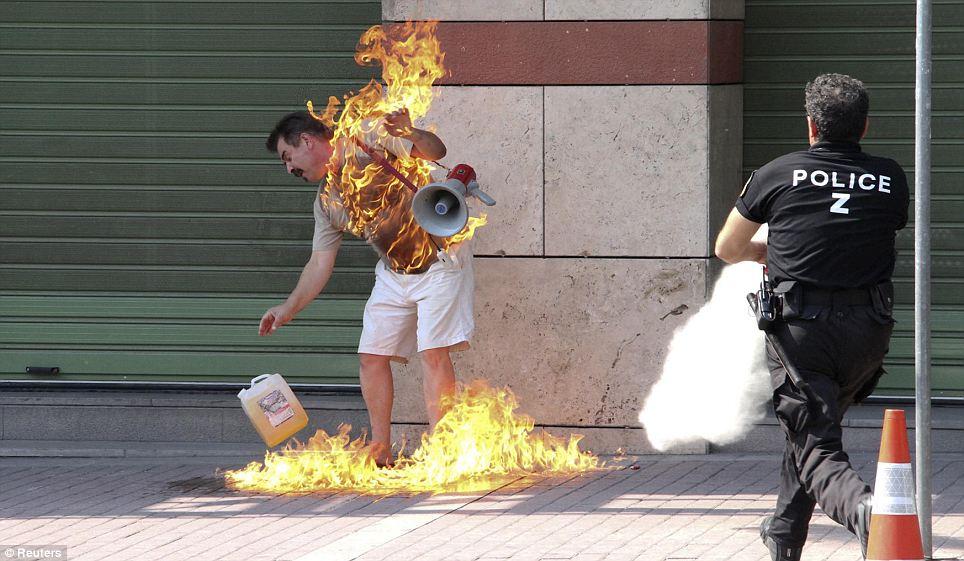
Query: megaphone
{"points": [[440, 209]]}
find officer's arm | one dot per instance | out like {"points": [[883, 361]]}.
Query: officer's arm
{"points": [[734, 244]]}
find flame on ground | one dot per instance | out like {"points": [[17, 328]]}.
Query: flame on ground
{"points": [[479, 442], [377, 203]]}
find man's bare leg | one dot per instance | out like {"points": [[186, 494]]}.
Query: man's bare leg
{"points": [[378, 390], [438, 380]]}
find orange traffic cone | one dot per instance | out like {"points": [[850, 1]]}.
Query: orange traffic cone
{"points": [[894, 529]]}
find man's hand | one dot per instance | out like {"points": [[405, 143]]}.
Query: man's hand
{"points": [[399, 123], [313, 279], [274, 318], [425, 145]]}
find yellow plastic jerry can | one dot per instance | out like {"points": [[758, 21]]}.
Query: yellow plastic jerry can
{"points": [[273, 408]]}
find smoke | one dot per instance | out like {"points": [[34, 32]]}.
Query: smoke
{"points": [[714, 383]]}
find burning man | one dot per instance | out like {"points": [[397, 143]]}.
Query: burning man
{"points": [[422, 298]]}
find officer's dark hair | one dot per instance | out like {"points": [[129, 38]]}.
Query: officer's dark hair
{"points": [[838, 105], [292, 125]]}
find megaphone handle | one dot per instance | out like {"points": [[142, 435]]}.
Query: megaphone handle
{"points": [[485, 198], [474, 190]]}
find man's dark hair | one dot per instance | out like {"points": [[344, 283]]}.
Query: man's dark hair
{"points": [[838, 105], [292, 125]]}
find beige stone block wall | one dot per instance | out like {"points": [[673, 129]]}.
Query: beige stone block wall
{"points": [[626, 170], [521, 10], [462, 10], [578, 340], [609, 198], [607, 151], [498, 131], [643, 9]]}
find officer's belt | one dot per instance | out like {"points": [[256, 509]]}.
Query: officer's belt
{"points": [[825, 298]]}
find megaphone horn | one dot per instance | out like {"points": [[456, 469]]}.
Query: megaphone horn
{"points": [[440, 209]]}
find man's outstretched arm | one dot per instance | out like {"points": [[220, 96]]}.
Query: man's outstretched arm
{"points": [[313, 279]]}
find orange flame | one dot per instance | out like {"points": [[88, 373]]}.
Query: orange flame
{"points": [[479, 441], [378, 205]]}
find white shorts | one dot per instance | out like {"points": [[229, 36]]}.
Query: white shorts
{"points": [[411, 313]]}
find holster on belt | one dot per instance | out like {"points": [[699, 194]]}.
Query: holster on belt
{"points": [[795, 304], [805, 302]]}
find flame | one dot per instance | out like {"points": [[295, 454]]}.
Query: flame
{"points": [[469, 230], [479, 441], [378, 204]]}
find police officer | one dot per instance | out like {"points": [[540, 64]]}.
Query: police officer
{"points": [[833, 212]]}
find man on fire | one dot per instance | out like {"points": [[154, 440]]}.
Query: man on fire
{"points": [[422, 298]]}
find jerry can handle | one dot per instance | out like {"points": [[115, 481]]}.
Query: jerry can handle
{"points": [[259, 378]]}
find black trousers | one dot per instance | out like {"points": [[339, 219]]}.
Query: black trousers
{"points": [[835, 359]]}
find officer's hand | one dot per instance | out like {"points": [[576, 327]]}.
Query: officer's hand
{"points": [[273, 319], [399, 123]]}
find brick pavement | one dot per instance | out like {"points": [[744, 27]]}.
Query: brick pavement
{"points": [[650, 508]]}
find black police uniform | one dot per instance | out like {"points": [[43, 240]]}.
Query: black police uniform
{"points": [[832, 212]]}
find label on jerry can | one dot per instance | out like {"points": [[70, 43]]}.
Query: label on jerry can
{"points": [[276, 408]]}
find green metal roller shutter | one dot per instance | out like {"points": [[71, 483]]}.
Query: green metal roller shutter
{"points": [[788, 43], [144, 227]]}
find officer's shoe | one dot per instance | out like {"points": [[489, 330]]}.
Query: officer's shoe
{"points": [[863, 523], [778, 551]]}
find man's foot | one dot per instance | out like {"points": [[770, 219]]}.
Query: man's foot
{"points": [[778, 551], [381, 454], [863, 523]]}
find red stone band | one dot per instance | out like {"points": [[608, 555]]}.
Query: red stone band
{"points": [[576, 53]]}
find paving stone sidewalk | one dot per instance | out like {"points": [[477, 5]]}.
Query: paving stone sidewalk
{"points": [[649, 508]]}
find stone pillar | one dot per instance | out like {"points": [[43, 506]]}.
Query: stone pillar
{"points": [[613, 147]]}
